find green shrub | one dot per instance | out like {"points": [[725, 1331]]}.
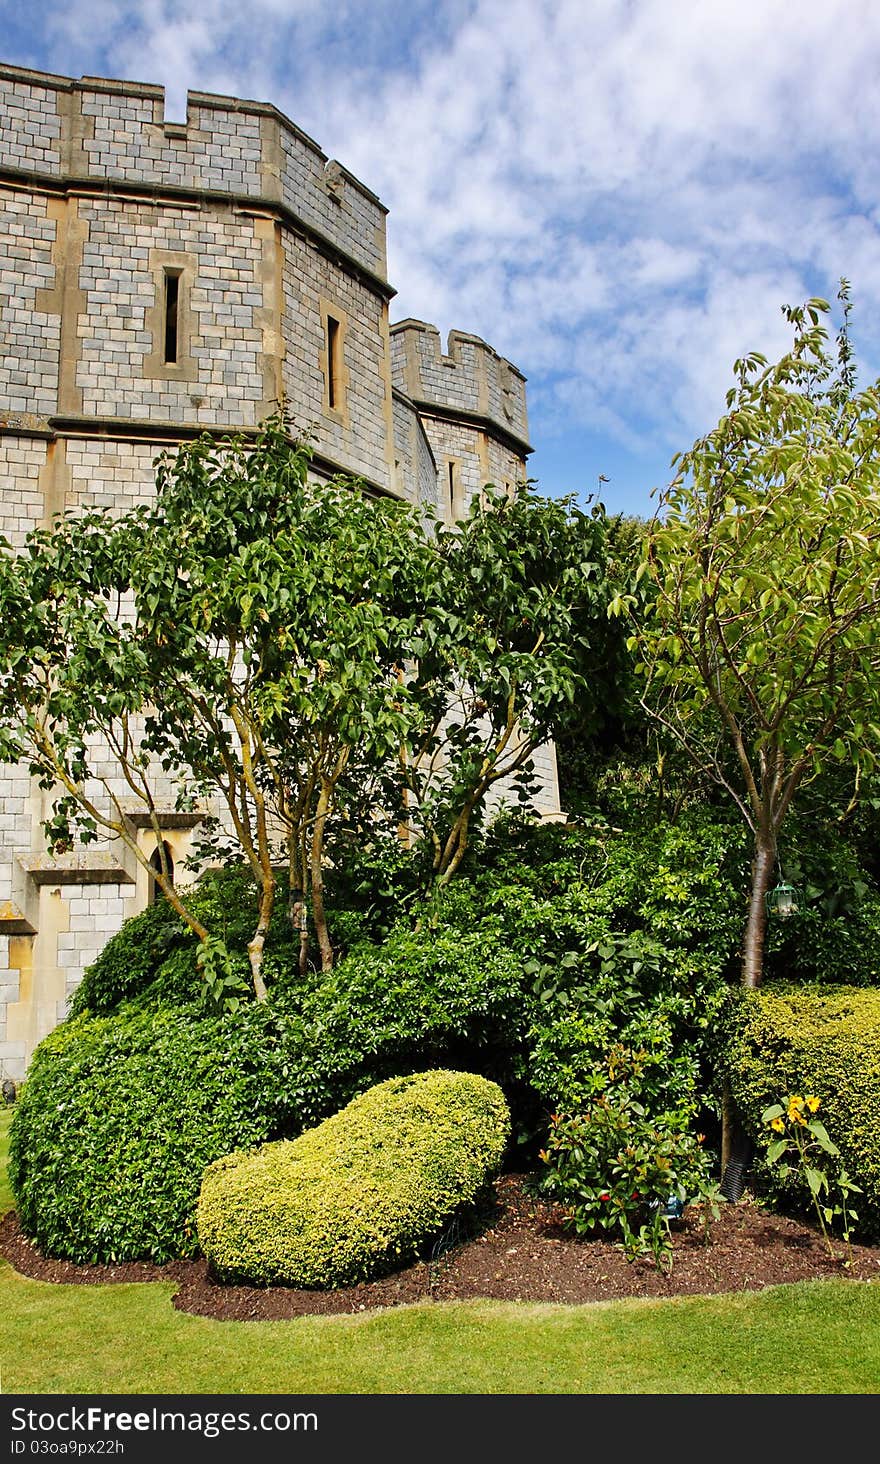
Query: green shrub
{"points": [[587, 986], [362, 1191], [418, 998], [123, 1112], [614, 1166], [152, 958], [683, 882], [120, 1115], [825, 1041]]}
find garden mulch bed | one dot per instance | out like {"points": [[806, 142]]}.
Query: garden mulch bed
{"points": [[519, 1253]]}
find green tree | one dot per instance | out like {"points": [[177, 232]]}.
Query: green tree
{"points": [[759, 637], [516, 643], [289, 654], [243, 635], [280, 647]]}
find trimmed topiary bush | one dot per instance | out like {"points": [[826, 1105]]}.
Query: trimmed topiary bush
{"points": [[813, 1040], [362, 1191]]}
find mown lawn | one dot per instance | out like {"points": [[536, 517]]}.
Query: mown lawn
{"points": [[814, 1337]]}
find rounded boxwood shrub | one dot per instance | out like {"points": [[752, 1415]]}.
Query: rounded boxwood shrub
{"points": [[820, 1040], [362, 1191]]}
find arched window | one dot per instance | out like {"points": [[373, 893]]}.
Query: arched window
{"points": [[156, 891]]}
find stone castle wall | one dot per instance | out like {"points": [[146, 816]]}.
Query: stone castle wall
{"points": [[280, 260]]}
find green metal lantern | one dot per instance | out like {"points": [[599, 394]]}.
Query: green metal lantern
{"points": [[784, 900]]}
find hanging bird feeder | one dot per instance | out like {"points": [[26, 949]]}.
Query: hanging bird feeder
{"points": [[784, 900]]}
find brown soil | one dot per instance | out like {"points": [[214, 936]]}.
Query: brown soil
{"points": [[519, 1253]]}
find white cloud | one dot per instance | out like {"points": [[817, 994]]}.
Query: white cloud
{"points": [[619, 194]]}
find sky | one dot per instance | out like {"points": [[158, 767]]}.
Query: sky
{"points": [[618, 195]]}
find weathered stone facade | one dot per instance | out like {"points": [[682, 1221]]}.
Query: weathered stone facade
{"points": [[158, 280]]}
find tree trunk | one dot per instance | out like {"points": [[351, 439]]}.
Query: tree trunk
{"points": [[255, 946], [756, 925], [316, 877], [177, 905], [297, 908], [304, 912], [734, 1143]]}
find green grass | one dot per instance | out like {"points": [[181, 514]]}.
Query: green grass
{"points": [[814, 1337]]}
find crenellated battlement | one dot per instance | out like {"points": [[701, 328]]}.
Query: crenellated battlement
{"points": [[471, 379], [95, 131]]}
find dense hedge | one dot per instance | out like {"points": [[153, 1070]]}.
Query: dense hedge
{"points": [[120, 1115], [152, 958], [362, 1191], [825, 1041]]}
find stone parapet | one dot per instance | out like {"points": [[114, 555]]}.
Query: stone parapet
{"points": [[470, 382], [106, 132]]}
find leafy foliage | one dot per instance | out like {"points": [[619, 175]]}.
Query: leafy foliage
{"points": [[562, 946], [523, 635], [130, 962], [153, 958], [757, 635]]}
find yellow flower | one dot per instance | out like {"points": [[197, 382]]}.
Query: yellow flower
{"points": [[813, 1103], [778, 1125], [795, 1105]]}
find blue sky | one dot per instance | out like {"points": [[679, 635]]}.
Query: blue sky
{"points": [[619, 195]]}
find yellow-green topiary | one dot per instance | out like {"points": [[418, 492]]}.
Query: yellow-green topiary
{"points": [[822, 1041], [361, 1192]]}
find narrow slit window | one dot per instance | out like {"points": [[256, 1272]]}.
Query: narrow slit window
{"points": [[451, 468], [172, 316], [332, 362]]}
